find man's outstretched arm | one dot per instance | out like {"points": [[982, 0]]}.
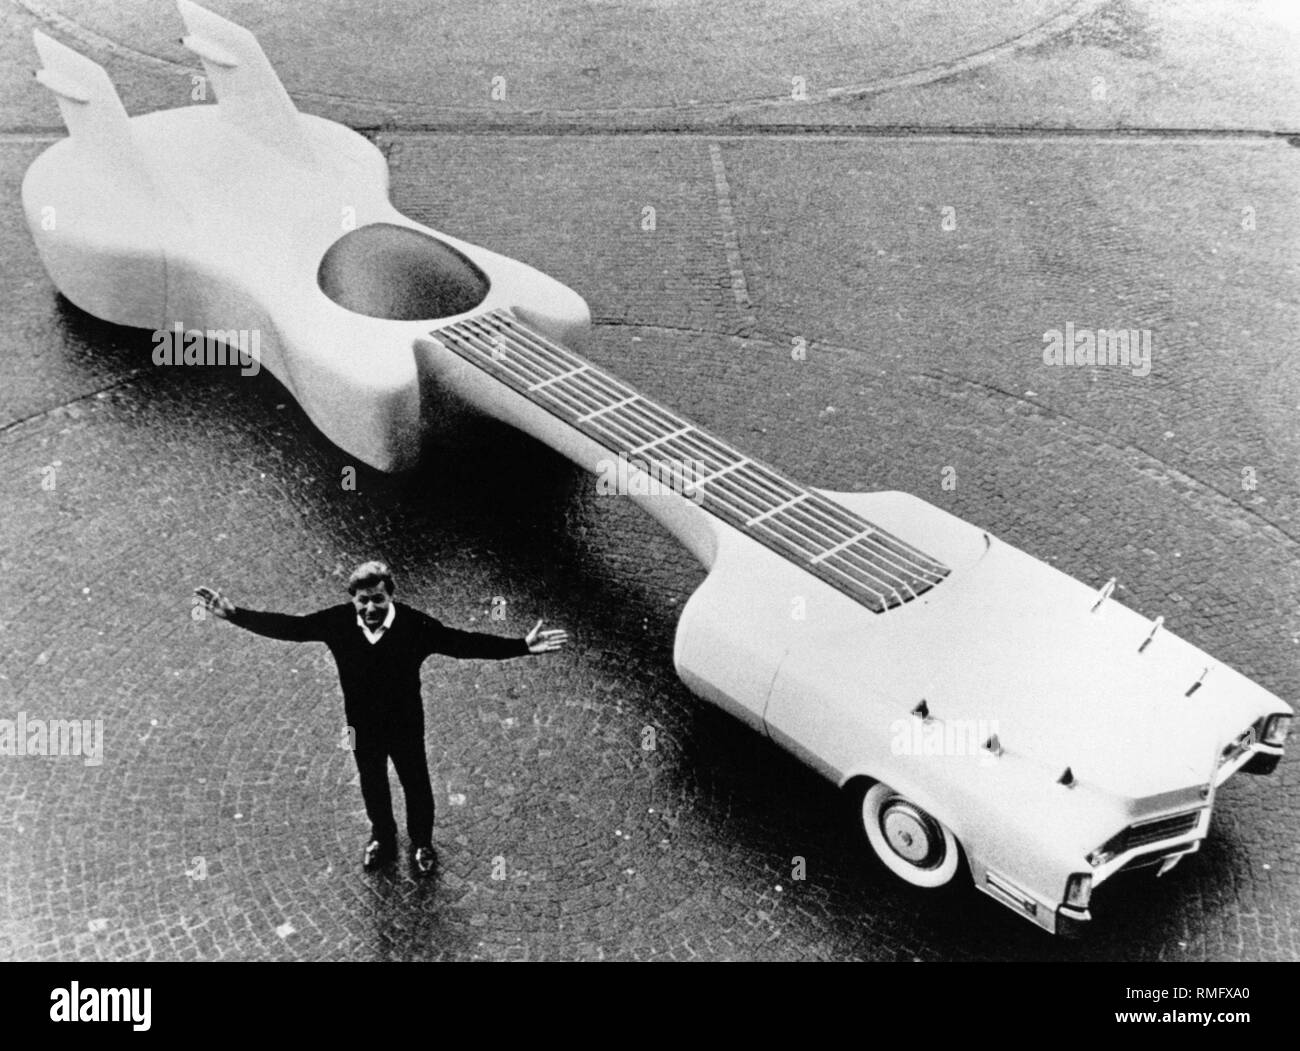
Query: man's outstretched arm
{"points": [[285, 626], [473, 644]]}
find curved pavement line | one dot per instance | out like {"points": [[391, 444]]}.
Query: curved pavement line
{"points": [[1054, 26]]}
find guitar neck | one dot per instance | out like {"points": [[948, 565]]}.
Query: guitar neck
{"points": [[867, 563]]}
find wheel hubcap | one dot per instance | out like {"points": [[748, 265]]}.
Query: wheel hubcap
{"points": [[911, 833]]}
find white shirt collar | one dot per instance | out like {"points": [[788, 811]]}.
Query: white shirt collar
{"points": [[374, 636]]}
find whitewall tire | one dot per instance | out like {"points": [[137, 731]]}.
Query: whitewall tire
{"points": [[911, 843]]}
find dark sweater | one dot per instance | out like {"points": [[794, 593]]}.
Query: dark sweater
{"points": [[381, 680]]}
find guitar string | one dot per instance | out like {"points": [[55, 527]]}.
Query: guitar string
{"points": [[820, 503], [840, 545], [757, 479], [843, 543], [631, 437], [868, 581], [553, 382], [878, 544]]}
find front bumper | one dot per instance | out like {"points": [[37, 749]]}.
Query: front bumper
{"points": [[1055, 916], [1052, 914], [1253, 756]]}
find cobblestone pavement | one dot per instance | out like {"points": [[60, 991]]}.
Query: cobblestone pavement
{"points": [[225, 821]]}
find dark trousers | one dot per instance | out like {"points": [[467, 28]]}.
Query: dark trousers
{"points": [[372, 753]]}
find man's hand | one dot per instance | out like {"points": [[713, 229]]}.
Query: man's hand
{"points": [[539, 641], [216, 603]]}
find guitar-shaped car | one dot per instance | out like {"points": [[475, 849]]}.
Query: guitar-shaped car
{"points": [[990, 714]]}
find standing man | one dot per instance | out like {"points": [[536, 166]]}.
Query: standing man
{"points": [[379, 645]]}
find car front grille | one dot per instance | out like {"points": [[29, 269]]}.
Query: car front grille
{"points": [[1136, 836]]}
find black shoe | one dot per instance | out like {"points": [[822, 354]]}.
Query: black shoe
{"points": [[425, 859], [377, 855]]}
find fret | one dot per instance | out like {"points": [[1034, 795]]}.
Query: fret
{"points": [[629, 434], [576, 398], [631, 439], [879, 550], [899, 552], [558, 379], [537, 381], [671, 436], [783, 532], [879, 588], [522, 356], [719, 449], [592, 386], [862, 562], [603, 386], [876, 577], [659, 441], [882, 581], [607, 408], [770, 489], [822, 518], [878, 583], [516, 364], [719, 473], [885, 574], [815, 515], [696, 447], [777, 509], [484, 345], [897, 547], [581, 381], [573, 398], [524, 339], [827, 540], [495, 325], [648, 416], [745, 487], [879, 578], [693, 444]]}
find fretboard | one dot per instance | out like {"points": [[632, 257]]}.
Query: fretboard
{"points": [[829, 541]]}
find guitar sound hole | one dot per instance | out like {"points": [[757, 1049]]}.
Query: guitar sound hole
{"points": [[394, 272]]}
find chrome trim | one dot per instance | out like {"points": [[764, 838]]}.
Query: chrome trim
{"points": [[1008, 893], [1226, 770], [1190, 838]]}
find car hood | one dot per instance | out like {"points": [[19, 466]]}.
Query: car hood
{"points": [[1010, 644]]}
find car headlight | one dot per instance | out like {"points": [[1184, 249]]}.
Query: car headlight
{"points": [[1276, 728], [1112, 848], [1078, 890]]}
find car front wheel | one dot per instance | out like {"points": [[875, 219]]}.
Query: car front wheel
{"points": [[913, 845]]}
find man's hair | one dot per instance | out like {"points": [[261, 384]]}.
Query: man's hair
{"points": [[368, 574]]}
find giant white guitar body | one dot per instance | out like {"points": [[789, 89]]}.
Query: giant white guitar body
{"points": [[982, 706]]}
